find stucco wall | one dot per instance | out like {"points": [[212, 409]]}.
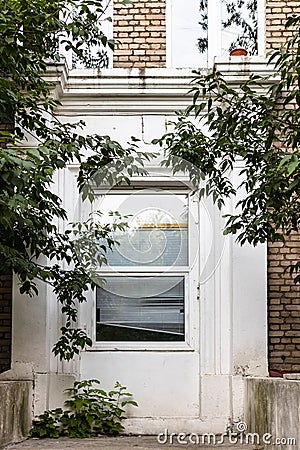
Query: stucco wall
{"points": [[15, 411], [272, 407]]}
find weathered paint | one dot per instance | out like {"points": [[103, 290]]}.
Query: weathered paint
{"points": [[15, 411], [273, 406], [193, 387]]}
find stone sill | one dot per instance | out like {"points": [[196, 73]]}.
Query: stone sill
{"points": [[292, 376]]}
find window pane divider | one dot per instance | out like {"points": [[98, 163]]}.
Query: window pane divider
{"points": [[118, 270]]}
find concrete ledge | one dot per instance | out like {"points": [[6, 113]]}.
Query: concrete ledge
{"points": [[15, 411], [273, 407]]}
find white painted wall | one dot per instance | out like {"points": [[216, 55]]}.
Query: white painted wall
{"points": [[194, 387]]}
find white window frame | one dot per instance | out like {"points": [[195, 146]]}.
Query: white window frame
{"points": [[214, 31], [191, 300]]}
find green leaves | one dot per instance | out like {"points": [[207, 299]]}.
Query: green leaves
{"points": [[71, 341], [254, 130], [91, 411], [110, 164], [32, 243], [290, 162], [29, 36]]}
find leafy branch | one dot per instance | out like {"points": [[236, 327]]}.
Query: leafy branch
{"points": [[32, 244], [91, 411], [252, 129]]}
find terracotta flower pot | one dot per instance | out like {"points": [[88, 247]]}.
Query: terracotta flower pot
{"points": [[239, 52]]}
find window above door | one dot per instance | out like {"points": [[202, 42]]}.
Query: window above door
{"points": [[200, 30]]}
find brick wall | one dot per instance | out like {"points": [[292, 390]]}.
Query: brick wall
{"points": [[284, 307], [5, 321], [140, 30], [277, 12], [283, 294], [5, 295]]}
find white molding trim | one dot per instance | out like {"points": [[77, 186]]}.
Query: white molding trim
{"points": [[135, 91]]}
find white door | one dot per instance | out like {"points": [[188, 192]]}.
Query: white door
{"points": [[145, 318]]}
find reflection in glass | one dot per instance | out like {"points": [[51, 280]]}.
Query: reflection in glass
{"points": [[203, 38], [239, 25], [140, 309], [157, 234]]}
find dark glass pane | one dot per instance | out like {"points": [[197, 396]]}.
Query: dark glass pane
{"points": [[140, 309], [115, 333]]}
